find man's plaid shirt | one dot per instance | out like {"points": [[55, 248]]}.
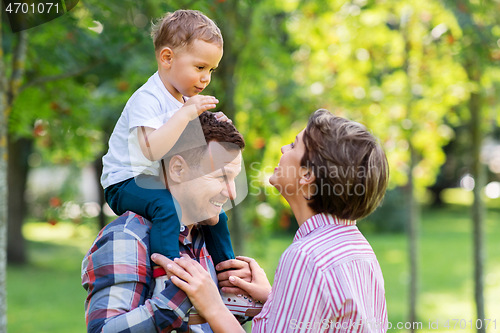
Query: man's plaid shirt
{"points": [[117, 274]]}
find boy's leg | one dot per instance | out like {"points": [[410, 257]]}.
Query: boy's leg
{"points": [[218, 241], [148, 197]]}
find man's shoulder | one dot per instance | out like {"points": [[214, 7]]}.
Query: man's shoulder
{"points": [[129, 224]]}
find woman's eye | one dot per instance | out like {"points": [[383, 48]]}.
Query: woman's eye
{"points": [[292, 144]]}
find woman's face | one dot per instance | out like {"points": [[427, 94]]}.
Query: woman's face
{"points": [[286, 175]]}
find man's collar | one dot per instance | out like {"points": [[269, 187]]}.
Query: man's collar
{"points": [[318, 221], [184, 233]]}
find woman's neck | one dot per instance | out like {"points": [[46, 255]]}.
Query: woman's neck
{"points": [[301, 210]]}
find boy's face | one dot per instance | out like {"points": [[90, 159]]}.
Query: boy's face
{"points": [[190, 69]]}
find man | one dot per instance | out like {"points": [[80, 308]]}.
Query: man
{"points": [[117, 272]]}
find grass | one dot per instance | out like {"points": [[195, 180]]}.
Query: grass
{"points": [[46, 296]]}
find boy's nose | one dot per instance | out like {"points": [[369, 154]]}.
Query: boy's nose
{"points": [[205, 78]]}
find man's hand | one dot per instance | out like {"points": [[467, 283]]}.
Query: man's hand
{"points": [[259, 288], [198, 104], [235, 267]]}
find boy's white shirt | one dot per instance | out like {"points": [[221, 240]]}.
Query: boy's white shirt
{"points": [[151, 105]]}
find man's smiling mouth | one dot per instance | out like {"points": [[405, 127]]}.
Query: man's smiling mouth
{"points": [[215, 203]]}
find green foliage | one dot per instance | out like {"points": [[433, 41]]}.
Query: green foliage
{"points": [[390, 217], [395, 66]]}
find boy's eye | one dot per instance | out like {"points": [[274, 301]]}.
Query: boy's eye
{"points": [[212, 70], [200, 67]]}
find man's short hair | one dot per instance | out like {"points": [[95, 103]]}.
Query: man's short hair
{"points": [[349, 164], [182, 27], [222, 132]]}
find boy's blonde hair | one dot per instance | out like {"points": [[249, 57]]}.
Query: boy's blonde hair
{"points": [[182, 27]]}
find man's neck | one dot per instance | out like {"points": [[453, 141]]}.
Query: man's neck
{"points": [[189, 237]]}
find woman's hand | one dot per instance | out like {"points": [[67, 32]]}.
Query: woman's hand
{"points": [[259, 287], [234, 267], [197, 283], [220, 116]]}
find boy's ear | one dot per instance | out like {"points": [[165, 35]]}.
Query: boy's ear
{"points": [[306, 176], [165, 57]]}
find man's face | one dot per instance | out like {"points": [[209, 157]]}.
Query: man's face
{"points": [[207, 186]]}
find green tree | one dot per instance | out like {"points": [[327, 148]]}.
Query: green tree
{"points": [[479, 57], [389, 65], [71, 87]]}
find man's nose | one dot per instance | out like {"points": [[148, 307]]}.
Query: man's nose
{"points": [[229, 190]]}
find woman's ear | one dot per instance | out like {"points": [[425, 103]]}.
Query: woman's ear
{"points": [[165, 57], [306, 176], [176, 168]]}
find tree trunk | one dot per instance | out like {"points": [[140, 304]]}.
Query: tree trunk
{"points": [[413, 236], [98, 172], [478, 208], [411, 204], [19, 151], [3, 188], [18, 170], [228, 26]]}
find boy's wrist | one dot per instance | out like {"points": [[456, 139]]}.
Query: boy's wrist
{"points": [[189, 111]]}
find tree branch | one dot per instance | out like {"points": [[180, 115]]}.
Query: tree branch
{"points": [[18, 62], [77, 72]]}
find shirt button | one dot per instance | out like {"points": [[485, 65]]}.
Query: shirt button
{"points": [[174, 331], [182, 229]]}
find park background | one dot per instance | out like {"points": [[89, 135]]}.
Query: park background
{"points": [[422, 75]]}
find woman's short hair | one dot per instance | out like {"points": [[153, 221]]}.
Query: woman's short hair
{"points": [[349, 164]]}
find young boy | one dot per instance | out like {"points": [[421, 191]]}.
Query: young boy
{"points": [[188, 48]]}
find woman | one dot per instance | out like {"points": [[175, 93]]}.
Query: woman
{"points": [[328, 279]]}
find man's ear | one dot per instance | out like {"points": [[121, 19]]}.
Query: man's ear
{"points": [[306, 176], [165, 57], [176, 168]]}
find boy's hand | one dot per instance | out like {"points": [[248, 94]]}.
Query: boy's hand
{"points": [[222, 117], [198, 104]]}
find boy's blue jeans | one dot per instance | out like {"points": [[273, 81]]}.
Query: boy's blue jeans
{"points": [[153, 201]]}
